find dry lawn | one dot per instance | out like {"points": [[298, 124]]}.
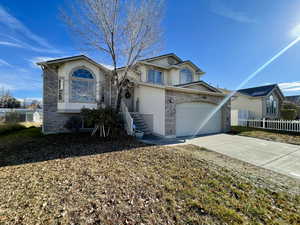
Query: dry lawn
{"points": [[75, 184], [291, 138]]}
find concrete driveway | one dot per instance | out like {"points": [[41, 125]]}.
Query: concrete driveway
{"points": [[279, 157]]}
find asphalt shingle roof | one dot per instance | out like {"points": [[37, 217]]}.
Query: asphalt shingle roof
{"points": [[258, 91]]}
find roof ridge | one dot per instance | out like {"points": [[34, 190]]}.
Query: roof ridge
{"points": [[269, 85]]}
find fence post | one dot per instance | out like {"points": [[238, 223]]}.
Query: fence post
{"points": [[264, 123]]}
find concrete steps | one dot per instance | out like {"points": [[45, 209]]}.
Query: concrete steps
{"points": [[140, 123]]}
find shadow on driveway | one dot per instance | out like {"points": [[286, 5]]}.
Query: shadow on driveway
{"points": [[155, 140]]}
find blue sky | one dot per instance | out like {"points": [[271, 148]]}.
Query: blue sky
{"points": [[228, 39]]}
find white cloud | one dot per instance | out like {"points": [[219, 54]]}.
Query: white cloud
{"points": [[10, 44], [220, 8], [29, 99], [19, 29], [23, 70], [13, 79], [291, 86], [15, 24], [6, 86], [34, 60], [4, 63], [14, 42]]}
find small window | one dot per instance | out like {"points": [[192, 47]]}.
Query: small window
{"points": [[61, 89], [186, 76], [155, 77]]}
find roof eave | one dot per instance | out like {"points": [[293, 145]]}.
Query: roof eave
{"points": [[72, 58], [180, 89]]}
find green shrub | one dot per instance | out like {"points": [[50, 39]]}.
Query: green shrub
{"points": [[298, 112], [10, 127], [288, 114], [74, 124], [289, 105], [108, 121]]}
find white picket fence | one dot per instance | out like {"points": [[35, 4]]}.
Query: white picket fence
{"points": [[282, 125]]}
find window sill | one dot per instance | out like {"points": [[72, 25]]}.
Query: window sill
{"points": [[74, 107], [162, 84]]}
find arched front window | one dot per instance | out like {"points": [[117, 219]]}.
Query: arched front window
{"points": [[83, 86], [186, 76]]}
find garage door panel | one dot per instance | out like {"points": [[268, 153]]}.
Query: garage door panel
{"points": [[190, 116]]}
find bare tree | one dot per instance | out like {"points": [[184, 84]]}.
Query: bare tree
{"points": [[124, 30]]}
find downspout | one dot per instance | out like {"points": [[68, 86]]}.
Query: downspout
{"points": [[43, 75], [110, 94]]}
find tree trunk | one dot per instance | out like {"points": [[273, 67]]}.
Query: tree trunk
{"points": [[119, 99]]}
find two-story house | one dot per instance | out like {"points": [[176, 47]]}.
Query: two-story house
{"points": [[167, 98]]}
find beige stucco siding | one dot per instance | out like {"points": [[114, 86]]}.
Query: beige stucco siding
{"points": [[162, 61], [152, 101], [253, 105], [171, 76], [174, 77]]}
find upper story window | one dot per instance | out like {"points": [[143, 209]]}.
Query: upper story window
{"points": [[186, 76], [271, 105], [83, 86], [155, 76]]}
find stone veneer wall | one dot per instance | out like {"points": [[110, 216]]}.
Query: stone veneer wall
{"points": [[53, 122], [173, 98]]}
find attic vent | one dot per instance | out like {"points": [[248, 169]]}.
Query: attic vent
{"points": [[171, 61]]}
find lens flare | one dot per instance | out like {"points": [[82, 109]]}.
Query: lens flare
{"points": [[251, 76]]}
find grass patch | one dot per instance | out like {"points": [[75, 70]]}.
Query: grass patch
{"points": [[6, 128], [279, 136], [143, 185]]}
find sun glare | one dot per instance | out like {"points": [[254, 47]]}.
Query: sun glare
{"points": [[295, 32]]}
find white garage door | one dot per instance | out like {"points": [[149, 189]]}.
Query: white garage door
{"points": [[190, 116]]}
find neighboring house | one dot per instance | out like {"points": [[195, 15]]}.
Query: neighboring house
{"points": [[167, 97], [260, 102], [293, 99]]}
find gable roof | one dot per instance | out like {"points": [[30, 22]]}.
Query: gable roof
{"points": [[199, 82], [258, 91], [72, 58], [176, 65], [163, 56], [195, 67]]}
